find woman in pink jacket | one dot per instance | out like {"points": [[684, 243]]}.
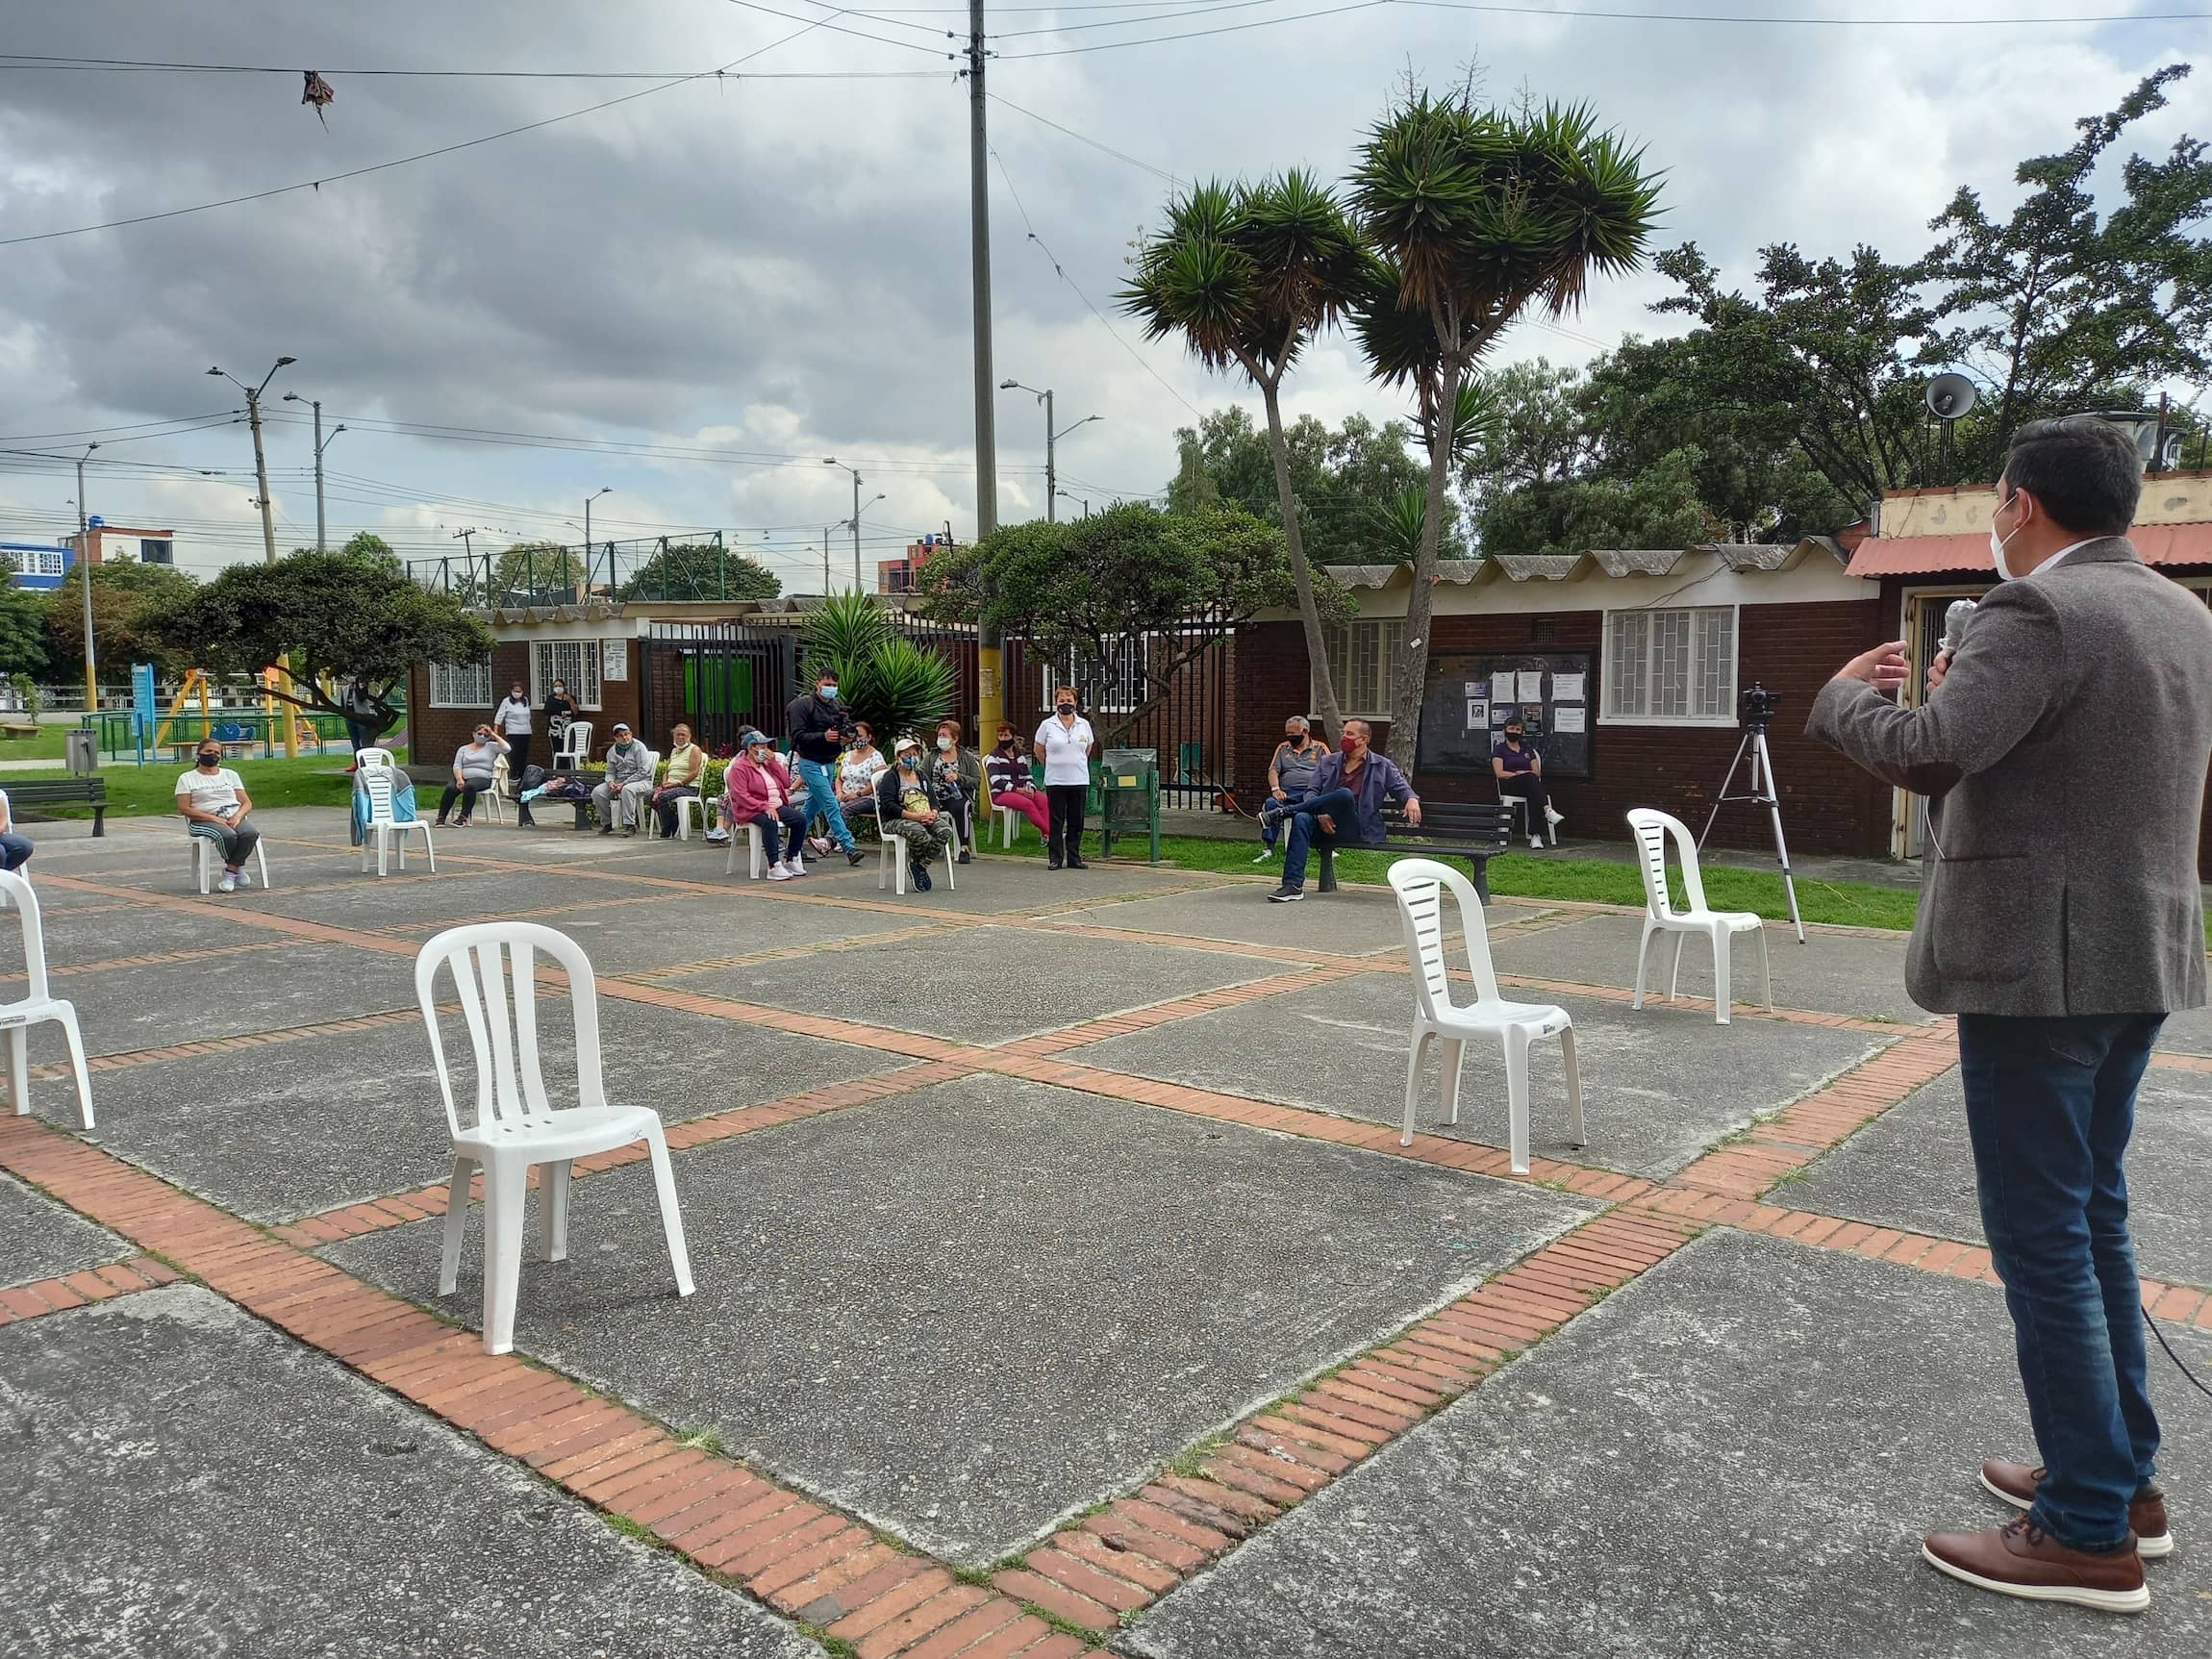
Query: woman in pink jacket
{"points": [[759, 792]]}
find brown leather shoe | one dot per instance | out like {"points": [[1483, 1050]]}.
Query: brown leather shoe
{"points": [[2016, 1484], [2022, 1559]]}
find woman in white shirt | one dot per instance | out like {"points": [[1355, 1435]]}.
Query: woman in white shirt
{"points": [[857, 770], [214, 802], [1064, 743]]}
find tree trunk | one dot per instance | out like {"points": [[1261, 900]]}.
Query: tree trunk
{"points": [[1412, 680], [1295, 543]]}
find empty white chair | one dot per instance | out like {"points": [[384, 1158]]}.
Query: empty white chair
{"points": [[36, 1007], [494, 967], [383, 830], [1419, 884], [206, 854], [502, 785], [574, 748], [892, 860], [1653, 831]]}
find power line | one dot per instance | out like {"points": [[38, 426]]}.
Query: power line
{"points": [[1061, 271], [151, 66], [405, 160], [1198, 34], [1109, 149]]}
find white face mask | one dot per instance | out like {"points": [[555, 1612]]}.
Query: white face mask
{"points": [[1997, 555], [944, 743]]}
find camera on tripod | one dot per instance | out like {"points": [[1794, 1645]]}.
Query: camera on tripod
{"points": [[1759, 706]]}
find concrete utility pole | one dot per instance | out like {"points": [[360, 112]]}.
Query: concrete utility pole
{"points": [[1052, 490], [584, 580], [825, 561], [321, 443], [858, 586], [990, 646], [85, 577], [268, 521]]}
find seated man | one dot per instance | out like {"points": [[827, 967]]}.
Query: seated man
{"points": [[629, 781], [903, 807], [1350, 789], [214, 802], [680, 778], [1289, 776]]}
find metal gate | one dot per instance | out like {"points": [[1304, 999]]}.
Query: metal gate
{"points": [[720, 676]]}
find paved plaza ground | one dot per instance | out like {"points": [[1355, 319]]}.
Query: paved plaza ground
{"points": [[1062, 1286]]}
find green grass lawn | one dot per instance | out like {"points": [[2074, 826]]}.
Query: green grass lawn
{"points": [[151, 790], [1525, 875], [46, 746]]}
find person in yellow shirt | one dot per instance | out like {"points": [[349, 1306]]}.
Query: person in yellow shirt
{"points": [[680, 776]]}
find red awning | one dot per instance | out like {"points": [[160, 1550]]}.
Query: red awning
{"points": [[2188, 543]]}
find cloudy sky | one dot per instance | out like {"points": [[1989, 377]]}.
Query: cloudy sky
{"points": [[774, 264]]}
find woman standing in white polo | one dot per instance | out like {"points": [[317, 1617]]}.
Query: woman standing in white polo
{"points": [[1063, 744]]}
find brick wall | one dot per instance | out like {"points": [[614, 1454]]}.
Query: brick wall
{"points": [[434, 734], [1829, 805]]}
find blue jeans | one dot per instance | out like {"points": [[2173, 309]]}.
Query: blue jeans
{"points": [[2050, 1104], [1271, 832], [795, 827], [1338, 804], [822, 798], [15, 850]]}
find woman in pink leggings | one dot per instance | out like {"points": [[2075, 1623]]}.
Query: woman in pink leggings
{"points": [[1010, 781]]}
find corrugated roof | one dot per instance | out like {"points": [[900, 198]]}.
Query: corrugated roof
{"points": [[2162, 544]]}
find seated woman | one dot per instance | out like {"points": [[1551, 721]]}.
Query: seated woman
{"points": [[955, 780], [680, 776], [904, 809], [1011, 783], [760, 793], [1520, 771], [857, 770], [472, 764]]}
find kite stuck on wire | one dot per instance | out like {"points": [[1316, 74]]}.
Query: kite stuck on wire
{"points": [[320, 93]]}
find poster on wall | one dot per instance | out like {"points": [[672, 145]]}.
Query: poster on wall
{"points": [[1568, 720], [1544, 689], [1478, 714], [1568, 689], [614, 659]]}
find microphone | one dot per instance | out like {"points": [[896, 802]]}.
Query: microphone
{"points": [[1955, 621]]}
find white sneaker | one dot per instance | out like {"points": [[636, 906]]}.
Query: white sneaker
{"points": [[245, 880], [228, 883], [778, 872], [796, 866], [1535, 844], [1267, 855], [1554, 816]]}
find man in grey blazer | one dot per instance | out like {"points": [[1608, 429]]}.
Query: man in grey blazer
{"points": [[2064, 754]]}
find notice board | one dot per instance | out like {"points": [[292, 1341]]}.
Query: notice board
{"points": [[1470, 695]]}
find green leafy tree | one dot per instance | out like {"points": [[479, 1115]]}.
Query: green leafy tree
{"points": [[1655, 506], [1473, 216], [885, 678], [532, 573], [334, 615], [367, 544], [1247, 275], [23, 632], [701, 570], [123, 597]]}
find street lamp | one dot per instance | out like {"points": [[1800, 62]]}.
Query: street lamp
{"points": [[321, 443], [261, 462], [833, 460], [85, 576], [1052, 490], [1070, 495], [583, 581]]}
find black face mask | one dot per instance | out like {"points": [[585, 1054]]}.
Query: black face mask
{"points": [[214, 760], [1065, 709]]}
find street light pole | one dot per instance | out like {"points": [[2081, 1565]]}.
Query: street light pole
{"points": [[321, 443], [583, 581], [269, 527], [833, 460], [85, 576]]}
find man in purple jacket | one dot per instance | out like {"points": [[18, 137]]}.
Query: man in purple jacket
{"points": [[1349, 791]]}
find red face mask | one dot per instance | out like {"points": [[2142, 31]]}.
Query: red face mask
{"points": [[1350, 747]]}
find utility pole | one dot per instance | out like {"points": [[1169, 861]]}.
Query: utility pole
{"points": [[825, 561], [584, 580], [989, 645], [268, 522], [832, 460], [85, 576], [321, 443]]}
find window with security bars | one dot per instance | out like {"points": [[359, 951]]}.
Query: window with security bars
{"points": [[461, 685], [574, 662], [1672, 667], [1113, 685], [1363, 657]]}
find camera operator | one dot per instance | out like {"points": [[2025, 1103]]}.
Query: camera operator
{"points": [[2061, 945]]}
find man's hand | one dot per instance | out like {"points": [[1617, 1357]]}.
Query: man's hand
{"points": [[1329, 824], [1883, 667], [1280, 795], [1938, 670], [1412, 812]]}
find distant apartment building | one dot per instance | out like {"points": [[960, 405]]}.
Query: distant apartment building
{"points": [[35, 563], [896, 575], [116, 544]]}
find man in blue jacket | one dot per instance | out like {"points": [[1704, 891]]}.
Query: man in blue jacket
{"points": [[1348, 792], [819, 729]]}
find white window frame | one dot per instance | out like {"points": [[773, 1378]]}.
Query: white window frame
{"points": [[461, 685], [1128, 685], [1650, 620], [1362, 658], [577, 663]]}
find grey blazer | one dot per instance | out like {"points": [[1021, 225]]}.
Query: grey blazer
{"points": [[2065, 754]]}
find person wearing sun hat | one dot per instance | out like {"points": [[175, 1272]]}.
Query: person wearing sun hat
{"points": [[904, 809]]}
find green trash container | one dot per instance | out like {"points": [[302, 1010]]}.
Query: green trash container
{"points": [[1129, 796]]}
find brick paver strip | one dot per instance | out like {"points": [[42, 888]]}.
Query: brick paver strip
{"points": [[19, 1302]]}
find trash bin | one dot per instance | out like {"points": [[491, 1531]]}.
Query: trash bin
{"points": [[1129, 796], [81, 751]]}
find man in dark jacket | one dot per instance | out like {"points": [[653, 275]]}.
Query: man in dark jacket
{"points": [[1346, 801], [2061, 924], [819, 729]]}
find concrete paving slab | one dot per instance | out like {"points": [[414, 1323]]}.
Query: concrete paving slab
{"points": [[972, 1310], [1347, 922], [455, 892], [42, 1239], [2188, 1032], [303, 983], [274, 1132], [984, 984], [1734, 1457], [81, 934], [1913, 1168], [1658, 1087], [185, 1480], [993, 884], [1832, 973]]}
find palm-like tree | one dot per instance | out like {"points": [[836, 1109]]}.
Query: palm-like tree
{"points": [[1471, 217], [1248, 274]]}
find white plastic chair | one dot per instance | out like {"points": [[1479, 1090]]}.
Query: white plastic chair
{"points": [[36, 1007], [374, 758], [515, 1125], [206, 856], [892, 859], [383, 830], [502, 785], [1419, 884], [757, 862], [701, 806], [575, 749], [1517, 806], [1653, 831]]}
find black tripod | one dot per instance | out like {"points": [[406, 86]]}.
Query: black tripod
{"points": [[1758, 712]]}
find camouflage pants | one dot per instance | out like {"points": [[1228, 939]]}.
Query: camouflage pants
{"points": [[925, 843]]}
